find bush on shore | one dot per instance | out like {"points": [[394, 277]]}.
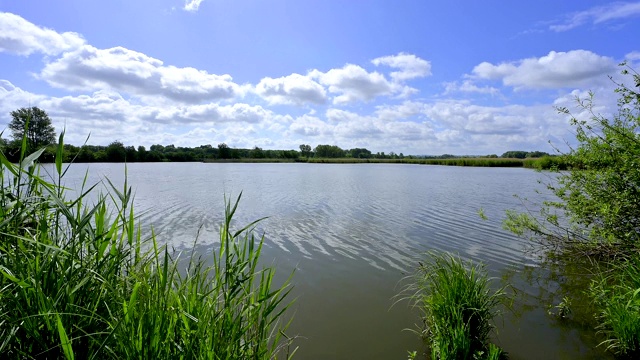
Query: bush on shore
{"points": [[597, 214]]}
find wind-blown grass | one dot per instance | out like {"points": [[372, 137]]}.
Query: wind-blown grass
{"points": [[78, 281], [617, 295], [458, 307]]}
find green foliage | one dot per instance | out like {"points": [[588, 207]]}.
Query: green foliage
{"points": [[514, 154], [224, 151], [458, 306], [34, 125], [305, 150], [360, 153], [546, 163], [617, 295], [78, 281], [598, 200], [116, 152], [328, 151]]}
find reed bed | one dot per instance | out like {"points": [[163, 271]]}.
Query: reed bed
{"points": [[546, 163], [616, 293], [77, 280], [458, 307], [483, 162]]}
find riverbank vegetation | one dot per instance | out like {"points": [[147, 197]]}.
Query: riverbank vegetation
{"points": [[597, 216], [458, 307], [78, 280]]}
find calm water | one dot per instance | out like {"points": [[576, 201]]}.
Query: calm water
{"points": [[352, 233]]}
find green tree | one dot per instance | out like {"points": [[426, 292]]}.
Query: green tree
{"points": [[224, 152], [39, 132], [515, 154], [360, 153], [329, 151], [116, 152], [257, 153], [305, 150], [142, 153]]}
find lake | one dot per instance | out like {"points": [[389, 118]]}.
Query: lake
{"points": [[352, 233]]}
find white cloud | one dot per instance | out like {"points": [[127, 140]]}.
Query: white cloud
{"points": [[293, 89], [354, 83], [412, 127], [535, 123], [21, 37], [410, 66], [406, 110], [307, 125], [556, 70], [12, 98], [598, 15], [209, 113], [469, 86], [121, 69], [633, 56], [192, 5]]}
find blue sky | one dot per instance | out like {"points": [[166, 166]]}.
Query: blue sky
{"points": [[418, 77]]}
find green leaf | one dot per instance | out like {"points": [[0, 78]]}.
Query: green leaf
{"points": [[66, 344], [59, 153], [29, 160]]}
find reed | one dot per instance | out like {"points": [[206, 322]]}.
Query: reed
{"points": [[546, 163], [77, 280], [482, 162], [616, 294], [458, 307]]}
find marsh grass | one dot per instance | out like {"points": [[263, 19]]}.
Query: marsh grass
{"points": [[481, 162], [616, 293], [458, 307], [77, 280], [547, 163]]}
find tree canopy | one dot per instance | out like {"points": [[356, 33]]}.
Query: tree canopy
{"points": [[39, 130]]}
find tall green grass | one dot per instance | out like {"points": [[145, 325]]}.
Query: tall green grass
{"points": [[77, 280], [482, 162], [458, 307], [546, 163], [616, 294]]}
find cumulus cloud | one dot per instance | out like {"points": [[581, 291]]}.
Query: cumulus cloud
{"points": [[311, 126], [555, 70], [412, 127], [21, 37], [354, 83], [533, 121], [598, 15], [209, 113], [469, 86], [409, 66], [192, 5], [12, 97], [293, 89], [121, 69]]}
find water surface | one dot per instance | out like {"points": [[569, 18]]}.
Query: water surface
{"points": [[352, 232]]}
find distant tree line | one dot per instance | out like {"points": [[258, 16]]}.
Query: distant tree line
{"points": [[524, 154], [33, 125]]}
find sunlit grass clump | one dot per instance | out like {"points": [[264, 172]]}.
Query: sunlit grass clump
{"points": [[617, 296], [77, 280], [458, 307]]}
